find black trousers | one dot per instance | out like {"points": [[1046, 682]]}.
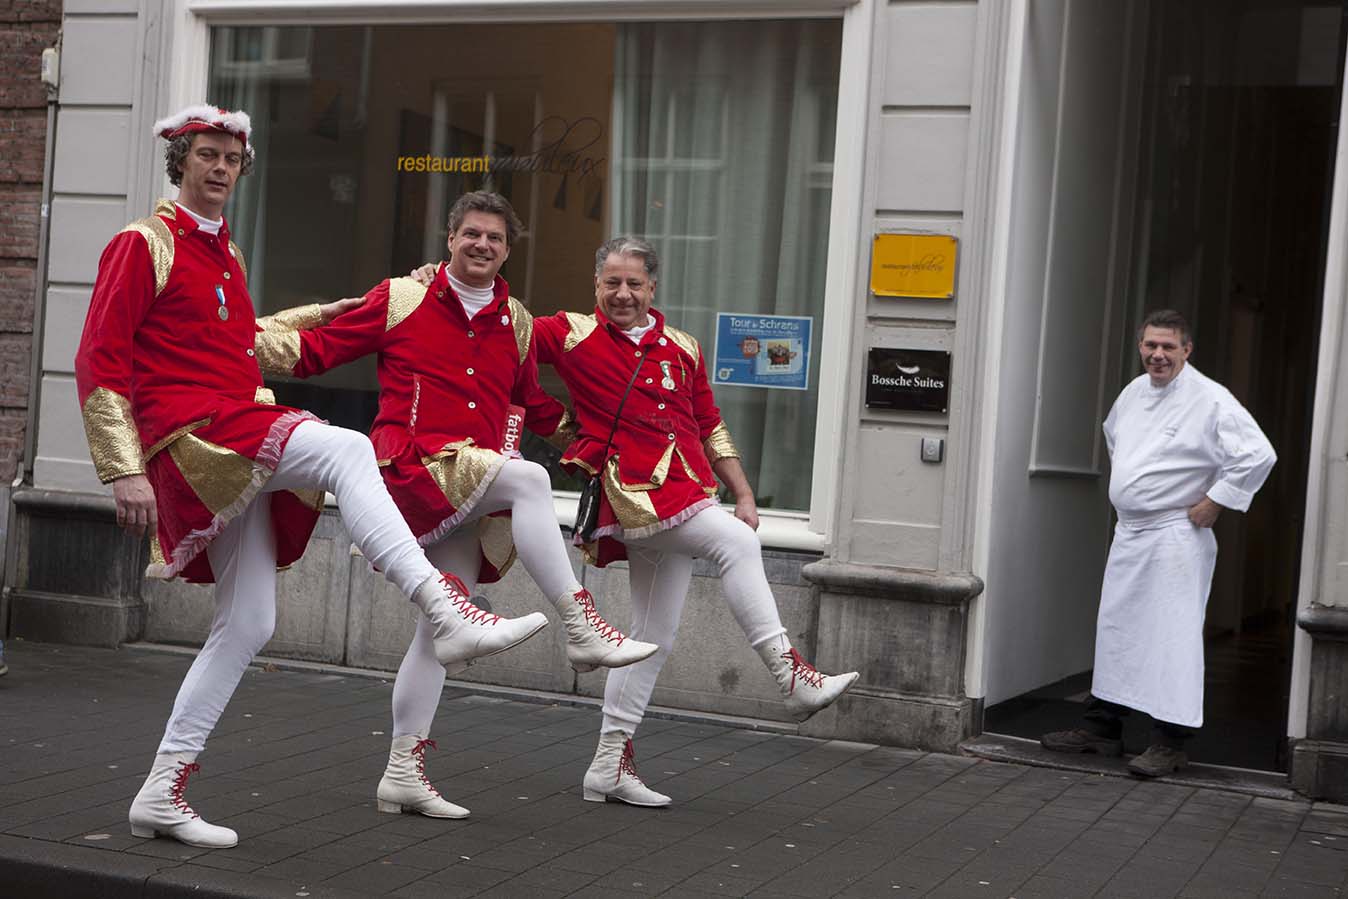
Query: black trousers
{"points": [[1105, 719]]}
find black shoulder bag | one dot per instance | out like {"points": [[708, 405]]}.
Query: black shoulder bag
{"points": [[587, 511]]}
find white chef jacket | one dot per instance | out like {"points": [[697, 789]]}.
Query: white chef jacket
{"points": [[1169, 447]]}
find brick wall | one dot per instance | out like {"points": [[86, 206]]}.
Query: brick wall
{"points": [[26, 28]]}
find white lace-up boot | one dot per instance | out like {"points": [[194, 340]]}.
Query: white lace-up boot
{"points": [[591, 642], [404, 787], [804, 689], [613, 774], [160, 809], [464, 632]]}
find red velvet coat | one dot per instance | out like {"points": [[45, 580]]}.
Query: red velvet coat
{"points": [[658, 472], [445, 384], [170, 389]]}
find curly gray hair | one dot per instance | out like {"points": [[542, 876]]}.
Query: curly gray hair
{"points": [[175, 153]]}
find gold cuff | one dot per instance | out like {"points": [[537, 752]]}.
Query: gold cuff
{"points": [[114, 442], [277, 351], [718, 444], [566, 432], [298, 318]]}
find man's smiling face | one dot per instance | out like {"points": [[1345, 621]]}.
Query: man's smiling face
{"points": [[1163, 352], [479, 248]]}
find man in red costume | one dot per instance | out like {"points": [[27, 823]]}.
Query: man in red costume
{"points": [[659, 508], [228, 484], [455, 354]]}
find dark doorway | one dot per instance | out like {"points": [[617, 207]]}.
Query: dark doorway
{"points": [[1240, 104]]}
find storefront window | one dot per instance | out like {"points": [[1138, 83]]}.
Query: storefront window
{"points": [[713, 140]]}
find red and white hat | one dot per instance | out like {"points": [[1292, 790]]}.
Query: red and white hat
{"points": [[204, 117]]}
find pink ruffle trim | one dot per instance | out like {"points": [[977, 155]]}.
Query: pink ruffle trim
{"points": [[616, 531], [264, 466]]}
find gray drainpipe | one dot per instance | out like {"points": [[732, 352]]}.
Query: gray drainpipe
{"points": [[51, 76]]}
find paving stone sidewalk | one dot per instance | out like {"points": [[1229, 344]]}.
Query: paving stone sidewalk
{"points": [[294, 763]]}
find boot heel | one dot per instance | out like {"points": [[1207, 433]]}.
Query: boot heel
{"points": [[594, 795], [583, 667], [146, 833], [388, 808]]}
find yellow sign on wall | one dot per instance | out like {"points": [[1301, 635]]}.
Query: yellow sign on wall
{"points": [[913, 265]]}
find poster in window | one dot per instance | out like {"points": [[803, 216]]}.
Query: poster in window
{"points": [[771, 351]]}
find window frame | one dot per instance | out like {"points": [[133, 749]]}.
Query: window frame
{"points": [[187, 76]]}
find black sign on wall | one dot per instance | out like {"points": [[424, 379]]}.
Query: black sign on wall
{"points": [[913, 380]]}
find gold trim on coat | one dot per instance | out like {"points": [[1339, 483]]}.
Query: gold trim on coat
{"points": [[718, 444], [523, 322], [404, 296], [633, 508], [114, 442], [684, 341], [216, 474], [581, 327], [159, 241], [185, 429]]}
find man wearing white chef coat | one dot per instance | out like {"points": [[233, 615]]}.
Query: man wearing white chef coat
{"points": [[1182, 449]]}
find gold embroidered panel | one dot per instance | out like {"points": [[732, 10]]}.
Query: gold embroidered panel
{"points": [[497, 541], [185, 429], [459, 468], [633, 508], [296, 318], [114, 442], [218, 476], [277, 351], [404, 296], [160, 243], [524, 327], [582, 326], [658, 474], [684, 341], [719, 445], [264, 396]]}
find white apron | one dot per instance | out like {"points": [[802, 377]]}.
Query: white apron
{"points": [[1149, 636], [1169, 447]]}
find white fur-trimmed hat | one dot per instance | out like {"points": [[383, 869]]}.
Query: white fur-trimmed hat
{"points": [[204, 117]]}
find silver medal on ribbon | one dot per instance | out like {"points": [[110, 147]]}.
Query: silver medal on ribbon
{"points": [[667, 381]]}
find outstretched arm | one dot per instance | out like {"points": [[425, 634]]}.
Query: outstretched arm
{"points": [[308, 340]]}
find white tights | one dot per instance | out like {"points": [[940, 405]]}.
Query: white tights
{"points": [[243, 558], [661, 569], [524, 488]]}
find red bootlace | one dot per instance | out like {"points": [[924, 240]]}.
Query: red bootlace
{"points": [[460, 600], [803, 669], [185, 770], [628, 764], [419, 751], [595, 620]]}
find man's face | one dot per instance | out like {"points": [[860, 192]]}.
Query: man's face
{"points": [[478, 249], [623, 291], [1162, 353], [210, 172]]}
